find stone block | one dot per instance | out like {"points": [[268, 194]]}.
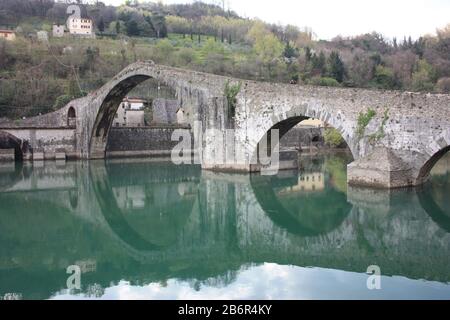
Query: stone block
{"points": [[38, 156], [7, 155], [60, 156]]}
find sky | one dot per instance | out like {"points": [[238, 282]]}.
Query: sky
{"points": [[329, 18], [272, 281]]}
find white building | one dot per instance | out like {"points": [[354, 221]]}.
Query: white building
{"points": [[130, 113], [42, 36], [58, 31], [80, 27], [8, 35]]}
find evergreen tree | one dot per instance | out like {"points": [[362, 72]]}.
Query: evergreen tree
{"points": [[118, 26], [132, 28], [319, 63], [101, 25], [289, 51], [336, 66], [308, 54]]}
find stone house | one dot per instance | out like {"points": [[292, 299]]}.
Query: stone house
{"points": [[58, 31], [130, 113], [81, 27], [9, 35]]}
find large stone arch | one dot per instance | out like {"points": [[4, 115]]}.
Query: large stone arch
{"points": [[107, 111], [192, 89]]}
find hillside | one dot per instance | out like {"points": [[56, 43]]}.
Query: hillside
{"points": [[39, 76]]}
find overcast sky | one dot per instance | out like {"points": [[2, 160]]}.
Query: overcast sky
{"points": [[329, 18]]}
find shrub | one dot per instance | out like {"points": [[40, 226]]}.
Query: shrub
{"points": [[422, 79], [364, 119], [443, 85], [324, 82], [333, 137], [384, 78], [231, 92], [61, 101]]}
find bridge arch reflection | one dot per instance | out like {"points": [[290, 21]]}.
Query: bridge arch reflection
{"points": [[141, 221]]}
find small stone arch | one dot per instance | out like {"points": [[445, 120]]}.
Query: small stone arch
{"points": [[71, 117], [425, 170], [8, 141], [286, 122]]}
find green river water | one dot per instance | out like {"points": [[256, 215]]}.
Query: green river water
{"points": [[145, 230]]}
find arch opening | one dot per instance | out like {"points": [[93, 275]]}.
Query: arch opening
{"points": [[302, 133], [8, 141], [71, 117], [129, 104], [426, 169], [434, 196]]}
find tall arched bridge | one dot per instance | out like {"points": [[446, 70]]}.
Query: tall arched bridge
{"points": [[398, 147]]}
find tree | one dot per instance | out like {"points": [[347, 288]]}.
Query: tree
{"points": [[423, 77], [159, 23], [268, 48], [132, 28], [118, 27], [101, 25], [384, 78], [289, 51], [319, 64], [336, 66]]}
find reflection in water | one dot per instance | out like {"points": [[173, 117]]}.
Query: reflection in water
{"points": [[146, 230]]}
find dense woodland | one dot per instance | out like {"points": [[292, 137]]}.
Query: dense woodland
{"points": [[40, 76]]}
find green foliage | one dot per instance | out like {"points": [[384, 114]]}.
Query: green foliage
{"points": [[132, 28], [333, 137], [268, 48], [384, 78], [62, 101], [324, 82], [380, 134], [336, 67], [290, 51], [364, 119], [231, 91], [423, 78], [318, 63]]}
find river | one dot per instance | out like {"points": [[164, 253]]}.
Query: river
{"points": [[136, 229]]}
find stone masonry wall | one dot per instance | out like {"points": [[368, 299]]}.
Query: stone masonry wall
{"points": [[141, 141]]}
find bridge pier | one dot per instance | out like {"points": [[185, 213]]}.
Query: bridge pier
{"points": [[383, 168]]}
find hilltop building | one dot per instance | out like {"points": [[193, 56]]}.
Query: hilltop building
{"points": [[58, 31], [81, 27], [9, 35]]}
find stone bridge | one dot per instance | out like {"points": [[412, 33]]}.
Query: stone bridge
{"points": [[397, 148]]}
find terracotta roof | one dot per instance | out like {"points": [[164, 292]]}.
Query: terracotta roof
{"points": [[6, 31]]}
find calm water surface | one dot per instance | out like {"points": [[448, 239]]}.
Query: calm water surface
{"points": [[143, 230]]}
